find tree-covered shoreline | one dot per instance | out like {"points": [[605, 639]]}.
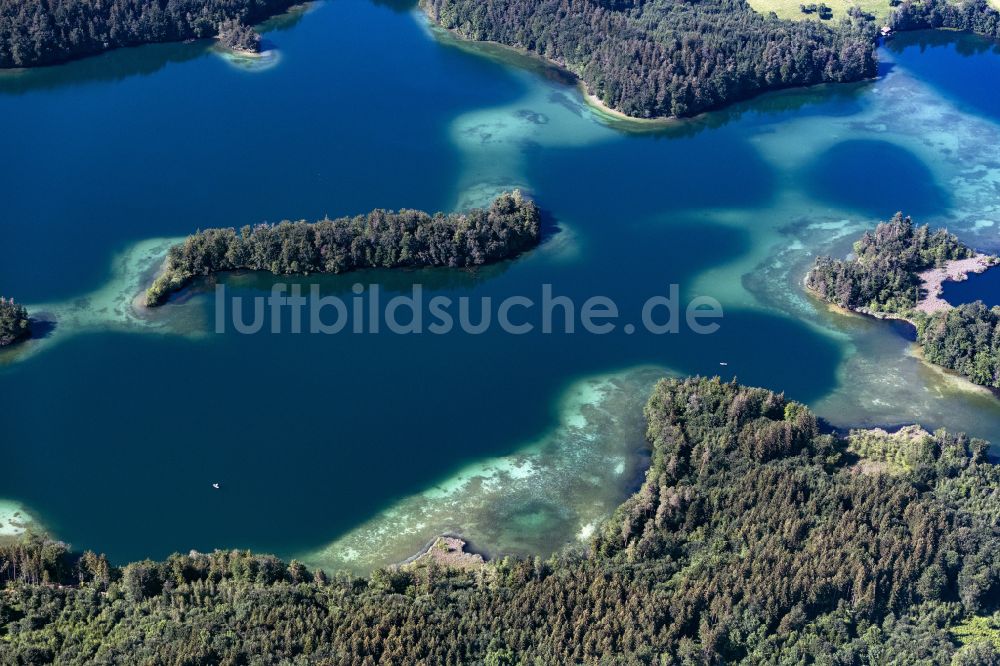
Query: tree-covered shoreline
{"points": [[965, 339], [642, 58], [976, 16], [380, 239], [882, 278], [15, 325], [755, 538], [658, 58], [45, 32]]}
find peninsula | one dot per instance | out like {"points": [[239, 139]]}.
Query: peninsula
{"points": [[660, 59], [755, 538], [896, 272], [380, 239], [38, 32]]}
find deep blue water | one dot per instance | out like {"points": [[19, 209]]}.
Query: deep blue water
{"points": [[347, 122], [961, 66], [873, 177], [113, 439], [983, 287]]}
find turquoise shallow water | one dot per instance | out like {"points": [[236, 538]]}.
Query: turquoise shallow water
{"points": [[355, 449]]}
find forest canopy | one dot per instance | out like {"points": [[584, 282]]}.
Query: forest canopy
{"points": [[14, 322], [651, 58], [40, 32], [755, 538], [965, 339], [882, 275], [971, 15], [380, 239], [239, 37]]}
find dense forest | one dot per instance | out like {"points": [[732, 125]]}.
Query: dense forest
{"points": [[239, 37], [965, 339], [755, 538], [882, 276], [380, 239], [971, 15], [39, 32], [14, 322], [649, 58]]}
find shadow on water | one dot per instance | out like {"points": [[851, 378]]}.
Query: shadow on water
{"points": [[885, 68], [954, 64], [42, 327], [841, 99], [965, 44], [903, 329], [400, 6], [549, 224], [249, 284], [124, 63], [876, 178], [287, 20], [828, 100], [108, 67]]}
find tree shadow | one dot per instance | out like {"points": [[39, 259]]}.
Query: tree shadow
{"points": [[112, 66], [43, 326]]}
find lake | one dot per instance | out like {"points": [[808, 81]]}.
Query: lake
{"points": [[983, 287], [352, 450]]}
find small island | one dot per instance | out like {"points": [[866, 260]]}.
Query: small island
{"points": [[896, 272], [239, 38], [15, 325], [380, 239]]}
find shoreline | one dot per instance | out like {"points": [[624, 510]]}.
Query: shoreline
{"points": [[861, 312], [447, 550], [600, 108], [15, 520], [931, 286], [454, 38], [590, 99], [915, 349], [62, 60], [550, 492], [951, 377]]}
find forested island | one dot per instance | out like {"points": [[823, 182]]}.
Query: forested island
{"points": [[654, 58], [890, 274], [754, 539], [14, 322], [380, 239], [42, 32]]}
